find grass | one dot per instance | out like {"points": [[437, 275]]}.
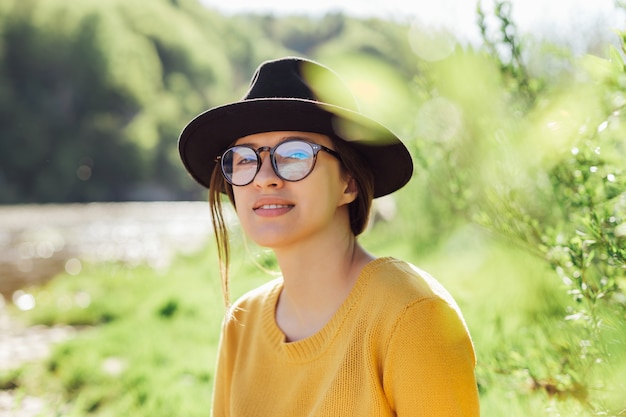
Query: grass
{"points": [[149, 338], [148, 342]]}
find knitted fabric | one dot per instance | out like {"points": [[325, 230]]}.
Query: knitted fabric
{"points": [[397, 346]]}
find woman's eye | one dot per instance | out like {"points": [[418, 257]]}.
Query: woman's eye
{"points": [[246, 161]]}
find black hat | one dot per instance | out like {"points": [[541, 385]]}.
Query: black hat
{"points": [[295, 94]]}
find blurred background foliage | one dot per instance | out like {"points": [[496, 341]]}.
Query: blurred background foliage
{"points": [[93, 95], [518, 201]]}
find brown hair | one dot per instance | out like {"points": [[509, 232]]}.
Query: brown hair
{"points": [[358, 210], [356, 167]]}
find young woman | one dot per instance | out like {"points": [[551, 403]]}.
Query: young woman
{"points": [[341, 333]]}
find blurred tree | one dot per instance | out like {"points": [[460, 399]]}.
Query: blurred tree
{"points": [[542, 165], [303, 34], [59, 128], [92, 97]]}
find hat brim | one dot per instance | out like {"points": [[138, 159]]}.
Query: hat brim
{"points": [[210, 133]]}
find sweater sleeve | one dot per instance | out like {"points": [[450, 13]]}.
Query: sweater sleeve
{"points": [[429, 366]]}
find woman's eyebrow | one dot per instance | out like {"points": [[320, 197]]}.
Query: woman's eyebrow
{"points": [[297, 137], [283, 139]]}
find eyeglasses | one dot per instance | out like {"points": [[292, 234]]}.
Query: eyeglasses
{"points": [[292, 160]]}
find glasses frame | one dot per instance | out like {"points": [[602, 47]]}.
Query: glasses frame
{"points": [[316, 147]]}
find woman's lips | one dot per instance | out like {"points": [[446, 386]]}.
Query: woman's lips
{"points": [[271, 209]]}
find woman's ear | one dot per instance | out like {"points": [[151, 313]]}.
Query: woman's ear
{"points": [[350, 192]]}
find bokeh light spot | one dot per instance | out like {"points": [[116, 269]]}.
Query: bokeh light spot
{"points": [[73, 266], [439, 120], [431, 44], [83, 172], [23, 300]]}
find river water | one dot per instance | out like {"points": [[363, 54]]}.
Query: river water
{"points": [[39, 241]]}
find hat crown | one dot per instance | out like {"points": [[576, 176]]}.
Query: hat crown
{"points": [[300, 79]]}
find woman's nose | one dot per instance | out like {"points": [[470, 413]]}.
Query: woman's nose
{"points": [[266, 177]]}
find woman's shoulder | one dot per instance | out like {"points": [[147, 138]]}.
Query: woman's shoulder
{"points": [[404, 282], [254, 300], [406, 294]]}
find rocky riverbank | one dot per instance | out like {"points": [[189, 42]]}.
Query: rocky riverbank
{"points": [[39, 241]]}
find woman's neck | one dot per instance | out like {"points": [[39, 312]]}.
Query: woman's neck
{"points": [[317, 279]]}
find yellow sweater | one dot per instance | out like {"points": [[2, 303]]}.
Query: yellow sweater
{"points": [[398, 346]]}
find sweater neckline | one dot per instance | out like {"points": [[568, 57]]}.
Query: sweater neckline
{"points": [[313, 346]]}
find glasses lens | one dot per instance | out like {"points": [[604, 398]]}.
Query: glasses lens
{"points": [[294, 160], [239, 165]]}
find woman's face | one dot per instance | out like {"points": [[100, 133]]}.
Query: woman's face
{"points": [[276, 213]]}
